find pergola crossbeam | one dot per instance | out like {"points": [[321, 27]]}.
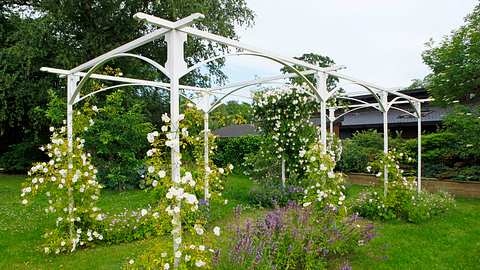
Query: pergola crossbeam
{"points": [[261, 80], [124, 48]]}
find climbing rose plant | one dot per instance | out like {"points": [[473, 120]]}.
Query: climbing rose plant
{"points": [[193, 143], [68, 181], [322, 186], [180, 201], [283, 117]]}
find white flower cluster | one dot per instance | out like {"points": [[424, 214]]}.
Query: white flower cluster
{"points": [[179, 194], [62, 179], [324, 186], [284, 115]]}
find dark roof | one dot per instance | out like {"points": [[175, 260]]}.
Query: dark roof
{"points": [[420, 93], [236, 131], [373, 117]]}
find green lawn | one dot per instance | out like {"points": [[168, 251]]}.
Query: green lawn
{"points": [[451, 241]]}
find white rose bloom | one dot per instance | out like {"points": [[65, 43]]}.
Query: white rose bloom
{"points": [[143, 212], [154, 183], [150, 137], [151, 169], [198, 229], [199, 263], [162, 173], [216, 231], [165, 118], [191, 198]]}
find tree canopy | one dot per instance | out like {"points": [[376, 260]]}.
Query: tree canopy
{"points": [[455, 63], [314, 59], [63, 34]]}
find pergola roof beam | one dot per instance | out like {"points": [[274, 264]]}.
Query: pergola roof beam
{"points": [[371, 85], [124, 48], [184, 22], [261, 80], [121, 79], [241, 46]]}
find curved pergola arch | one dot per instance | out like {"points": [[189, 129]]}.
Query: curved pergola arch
{"points": [[279, 61], [126, 85], [106, 60]]}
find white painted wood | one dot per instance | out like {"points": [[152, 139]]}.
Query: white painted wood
{"points": [[184, 22], [175, 65], [385, 142], [124, 48], [419, 146]]}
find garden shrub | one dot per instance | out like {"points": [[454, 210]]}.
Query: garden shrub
{"points": [[293, 237], [359, 150], [18, 157], [234, 150], [117, 142], [402, 200], [114, 135]]}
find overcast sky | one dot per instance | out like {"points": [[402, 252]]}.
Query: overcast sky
{"points": [[379, 41]]}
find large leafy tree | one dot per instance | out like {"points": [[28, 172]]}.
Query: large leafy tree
{"points": [[36, 33], [231, 113], [455, 63], [314, 59]]}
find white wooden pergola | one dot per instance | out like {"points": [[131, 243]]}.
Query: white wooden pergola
{"points": [[176, 34]]}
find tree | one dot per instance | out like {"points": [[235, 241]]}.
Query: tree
{"points": [[314, 59], [231, 113], [455, 63], [64, 34]]}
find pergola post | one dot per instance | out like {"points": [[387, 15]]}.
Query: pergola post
{"points": [[418, 107], [331, 119], [72, 81], [176, 67], [206, 100], [384, 99], [283, 172], [322, 93]]}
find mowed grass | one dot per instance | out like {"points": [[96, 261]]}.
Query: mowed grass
{"points": [[450, 241]]}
